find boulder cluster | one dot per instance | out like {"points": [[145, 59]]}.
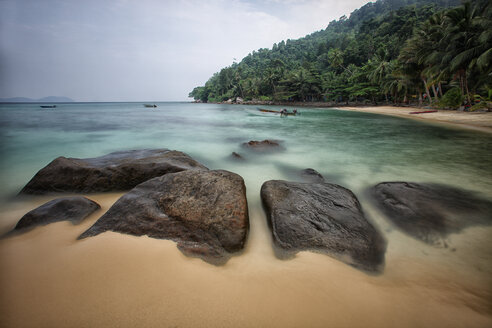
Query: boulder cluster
{"points": [[172, 196]]}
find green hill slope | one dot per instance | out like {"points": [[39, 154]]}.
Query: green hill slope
{"points": [[361, 57]]}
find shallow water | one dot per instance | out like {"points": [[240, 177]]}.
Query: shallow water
{"points": [[49, 279]]}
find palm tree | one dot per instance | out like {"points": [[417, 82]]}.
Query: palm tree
{"points": [[461, 36], [431, 34], [335, 56], [380, 71], [410, 58], [484, 61]]}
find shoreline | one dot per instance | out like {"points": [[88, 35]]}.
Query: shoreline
{"points": [[477, 121]]}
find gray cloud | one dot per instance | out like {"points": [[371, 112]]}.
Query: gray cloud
{"points": [[141, 50]]}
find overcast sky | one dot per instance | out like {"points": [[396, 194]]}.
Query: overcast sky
{"points": [[137, 50]]}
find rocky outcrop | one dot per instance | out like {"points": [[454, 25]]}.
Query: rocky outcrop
{"points": [[263, 146], [113, 172], [430, 212], [322, 217], [74, 209], [205, 212]]}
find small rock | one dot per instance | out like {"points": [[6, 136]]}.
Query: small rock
{"points": [[237, 156], [311, 175], [74, 209], [263, 146]]}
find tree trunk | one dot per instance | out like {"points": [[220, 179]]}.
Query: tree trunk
{"points": [[436, 97], [466, 88], [427, 91], [461, 82], [440, 89], [240, 90], [420, 98]]}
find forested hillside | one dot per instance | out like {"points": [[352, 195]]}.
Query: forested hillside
{"points": [[386, 51]]}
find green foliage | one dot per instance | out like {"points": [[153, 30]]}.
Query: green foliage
{"points": [[452, 98], [388, 50], [479, 106]]}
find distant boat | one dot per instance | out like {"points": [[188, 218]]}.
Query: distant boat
{"points": [[277, 112], [48, 106], [268, 110], [150, 105], [424, 112]]}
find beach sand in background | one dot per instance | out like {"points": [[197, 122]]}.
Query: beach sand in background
{"points": [[479, 121]]}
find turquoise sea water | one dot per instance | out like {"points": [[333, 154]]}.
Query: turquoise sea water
{"points": [[47, 278], [349, 148]]}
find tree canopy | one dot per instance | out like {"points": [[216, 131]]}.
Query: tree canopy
{"points": [[386, 51]]}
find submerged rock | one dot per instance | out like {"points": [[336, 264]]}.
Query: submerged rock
{"points": [[430, 212], [237, 156], [295, 173], [74, 209], [116, 171], [205, 212], [311, 175], [263, 146], [322, 217]]}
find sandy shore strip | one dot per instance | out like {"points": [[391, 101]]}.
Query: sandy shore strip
{"points": [[480, 121]]}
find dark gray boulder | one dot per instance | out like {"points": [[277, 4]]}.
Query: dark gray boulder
{"points": [[113, 172], [205, 212], [74, 209], [430, 212], [322, 217]]}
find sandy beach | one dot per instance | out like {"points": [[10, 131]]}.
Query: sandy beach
{"points": [[49, 279], [479, 121]]}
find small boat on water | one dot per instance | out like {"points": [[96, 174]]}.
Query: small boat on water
{"points": [[424, 112], [294, 113], [48, 106], [268, 110], [150, 105]]}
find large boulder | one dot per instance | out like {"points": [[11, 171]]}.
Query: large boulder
{"points": [[74, 209], [205, 212], [113, 172], [430, 212], [322, 217]]}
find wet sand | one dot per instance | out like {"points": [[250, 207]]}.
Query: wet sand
{"points": [[49, 279], [478, 121]]}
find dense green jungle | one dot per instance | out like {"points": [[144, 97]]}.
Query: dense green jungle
{"points": [[432, 52]]}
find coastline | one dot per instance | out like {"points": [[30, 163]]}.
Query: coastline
{"points": [[478, 121]]}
